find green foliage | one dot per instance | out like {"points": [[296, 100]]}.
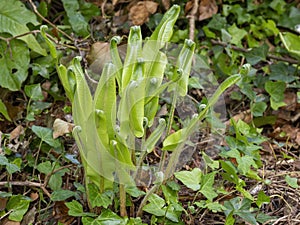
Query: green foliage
{"points": [[106, 151], [15, 62], [14, 24], [116, 127], [18, 205], [10, 167], [79, 13], [46, 135]]}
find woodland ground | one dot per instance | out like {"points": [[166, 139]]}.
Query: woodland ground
{"points": [[225, 32]]}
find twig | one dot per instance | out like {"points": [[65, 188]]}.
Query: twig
{"points": [[47, 21], [26, 183], [192, 19], [284, 59]]}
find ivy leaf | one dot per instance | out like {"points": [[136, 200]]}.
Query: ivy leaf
{"points": [[14, 63], [257, 54], [237, 35], [217, 22], [107, 217], [45, 134], [97, 198], [18, 205], [3, 111], [191, 179], [34, 92], [76, 209], [14, 17], [245, 163], [155, 206], [276, 91], [45, 167], [291, 181], [78, 21], [262, 198], [61, 195], [10, 167], [258, 108], [207, 186], [291, 42]]}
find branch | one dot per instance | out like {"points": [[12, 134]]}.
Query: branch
{"points": [[26, 183], [192, 18], [284, 59], [47, 21]]}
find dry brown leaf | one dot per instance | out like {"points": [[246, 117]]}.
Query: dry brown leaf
{"points": [[15, 134], [151, 6], [34, 196], [98, 56], [188, 6], [287, 132], [290, 99], [244, 116], [207, 9], [139, 13], [10, 222], [166, 4], [29, 217], [60, 212], [61, 127], [3, 202]]}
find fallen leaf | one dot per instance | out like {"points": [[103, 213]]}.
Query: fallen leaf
{"points": [[98, 56], [245, 116], [46, 87], [3, 202], [34, 196], [29, 217], [188, 6], [61, 127], [139, 13], [287, 132], [290, 99], [166, 4], [207, 9], [15, 134], [61, 213], [10, 222]]}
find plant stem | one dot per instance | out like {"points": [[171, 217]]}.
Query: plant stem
{"points": [[123, 212], [145, 199], [169, 126]]}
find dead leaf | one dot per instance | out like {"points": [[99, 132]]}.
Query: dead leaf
{"points": [[46, 87], [166, 4], [61, 213], [10, 222], [287, 132], [61, 127], [139, 13], [188, 7], [207, 9], [29, 217], [245, 116], [98, 56], [290, 99], [34, 196], [15, 134], [3, 202], [297, 139]]}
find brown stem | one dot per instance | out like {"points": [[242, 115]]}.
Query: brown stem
{"points": [[47, 21], [26, 183], [122, 193], [192, 19]]}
